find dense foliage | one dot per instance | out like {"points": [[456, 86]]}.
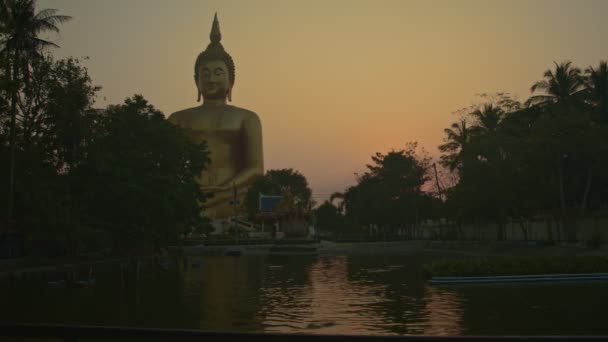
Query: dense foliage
{"points": [[76, 178], [389, 194], [83, 177], [545, 158], [502, 161], [290, 184]]}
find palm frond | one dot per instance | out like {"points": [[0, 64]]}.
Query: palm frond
{"points": [[58, 19], [45, 13], [449, 146], [41, 43], [540, 85], [539, 99], [21, 26], [549, 74], [563, 65]]}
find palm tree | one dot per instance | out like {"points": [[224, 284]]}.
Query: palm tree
{"points": [[488, 118], [486, 131], [458, 137], [340, 196], [564, 85], [596, 81], [20, 26]]}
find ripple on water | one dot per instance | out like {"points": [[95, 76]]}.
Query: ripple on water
{"points": [[328, 295], [340, 298]]}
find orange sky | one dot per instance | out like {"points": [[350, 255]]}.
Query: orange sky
{"points": [[333, 81]]}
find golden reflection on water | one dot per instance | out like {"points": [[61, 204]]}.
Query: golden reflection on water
{"points": [[226, 289], [368, 295], [365, 301], [444, 311]]}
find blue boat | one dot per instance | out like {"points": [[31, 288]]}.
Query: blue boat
{"points": [[532, 278]]}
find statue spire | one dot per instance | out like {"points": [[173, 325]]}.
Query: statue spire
{"points": [[215, 36], [215, 51]]}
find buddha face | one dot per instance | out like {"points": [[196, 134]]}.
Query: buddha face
{"points": [[213, 80]]}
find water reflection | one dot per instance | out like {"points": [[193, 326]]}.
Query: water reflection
{"points": [[305, 294], [284, 293], [443, 311], [226, 292], [325, 303], [152, 299], [351, 296]]}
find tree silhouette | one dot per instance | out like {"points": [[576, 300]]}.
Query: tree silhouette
{"points": [[455, 151], [563, 85], [20, 27], [596, 81]]}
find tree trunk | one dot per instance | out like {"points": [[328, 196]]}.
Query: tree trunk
{"points": [[524, 230], [568, 223], [460, 233], [559, 225], [570, 228], [439, 192], [587, 189], [562, 196], [501, 231], [26, 126], [12, 140]]}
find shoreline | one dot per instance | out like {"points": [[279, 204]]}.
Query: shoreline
{"points": [[413, 247], [20, 267]]}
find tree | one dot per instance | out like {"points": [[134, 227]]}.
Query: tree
{"points": [[572, 143], [487, 119], [138, 180], [455, 149], [57, 113], [20, 45], [288, 183], [401, 171], [337, 196], [69, 118], [329, 218], [487, 191], [44, 203], [390, 193], [486, 134], [564, 85], [596, 81], [545, 159]]}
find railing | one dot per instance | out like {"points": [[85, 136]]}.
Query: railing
{"points": [[244, 224], [71, 333], [368, 238], [245, 241]]}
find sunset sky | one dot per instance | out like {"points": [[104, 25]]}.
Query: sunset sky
{"points": [[333, 81]]}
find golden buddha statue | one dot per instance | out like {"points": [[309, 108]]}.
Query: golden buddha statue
{"points": [[233, 134]]}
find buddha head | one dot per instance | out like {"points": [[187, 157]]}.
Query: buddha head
{"points": [[214, 68]]}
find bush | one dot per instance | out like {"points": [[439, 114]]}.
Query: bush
{"points": [[502, 266], [596, 240]]}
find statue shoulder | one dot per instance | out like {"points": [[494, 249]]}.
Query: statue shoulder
{"points": [[182, 116], [245, 114]]}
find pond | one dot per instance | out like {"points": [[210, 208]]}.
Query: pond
{"points": [[378, 295]]}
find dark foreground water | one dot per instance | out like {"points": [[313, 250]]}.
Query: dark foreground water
{"points": [[306, 294]]}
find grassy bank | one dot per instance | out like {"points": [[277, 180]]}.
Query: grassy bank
{"points": [[503, 266]]}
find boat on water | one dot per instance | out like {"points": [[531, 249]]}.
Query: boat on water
{"points": [[532, 278]]}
